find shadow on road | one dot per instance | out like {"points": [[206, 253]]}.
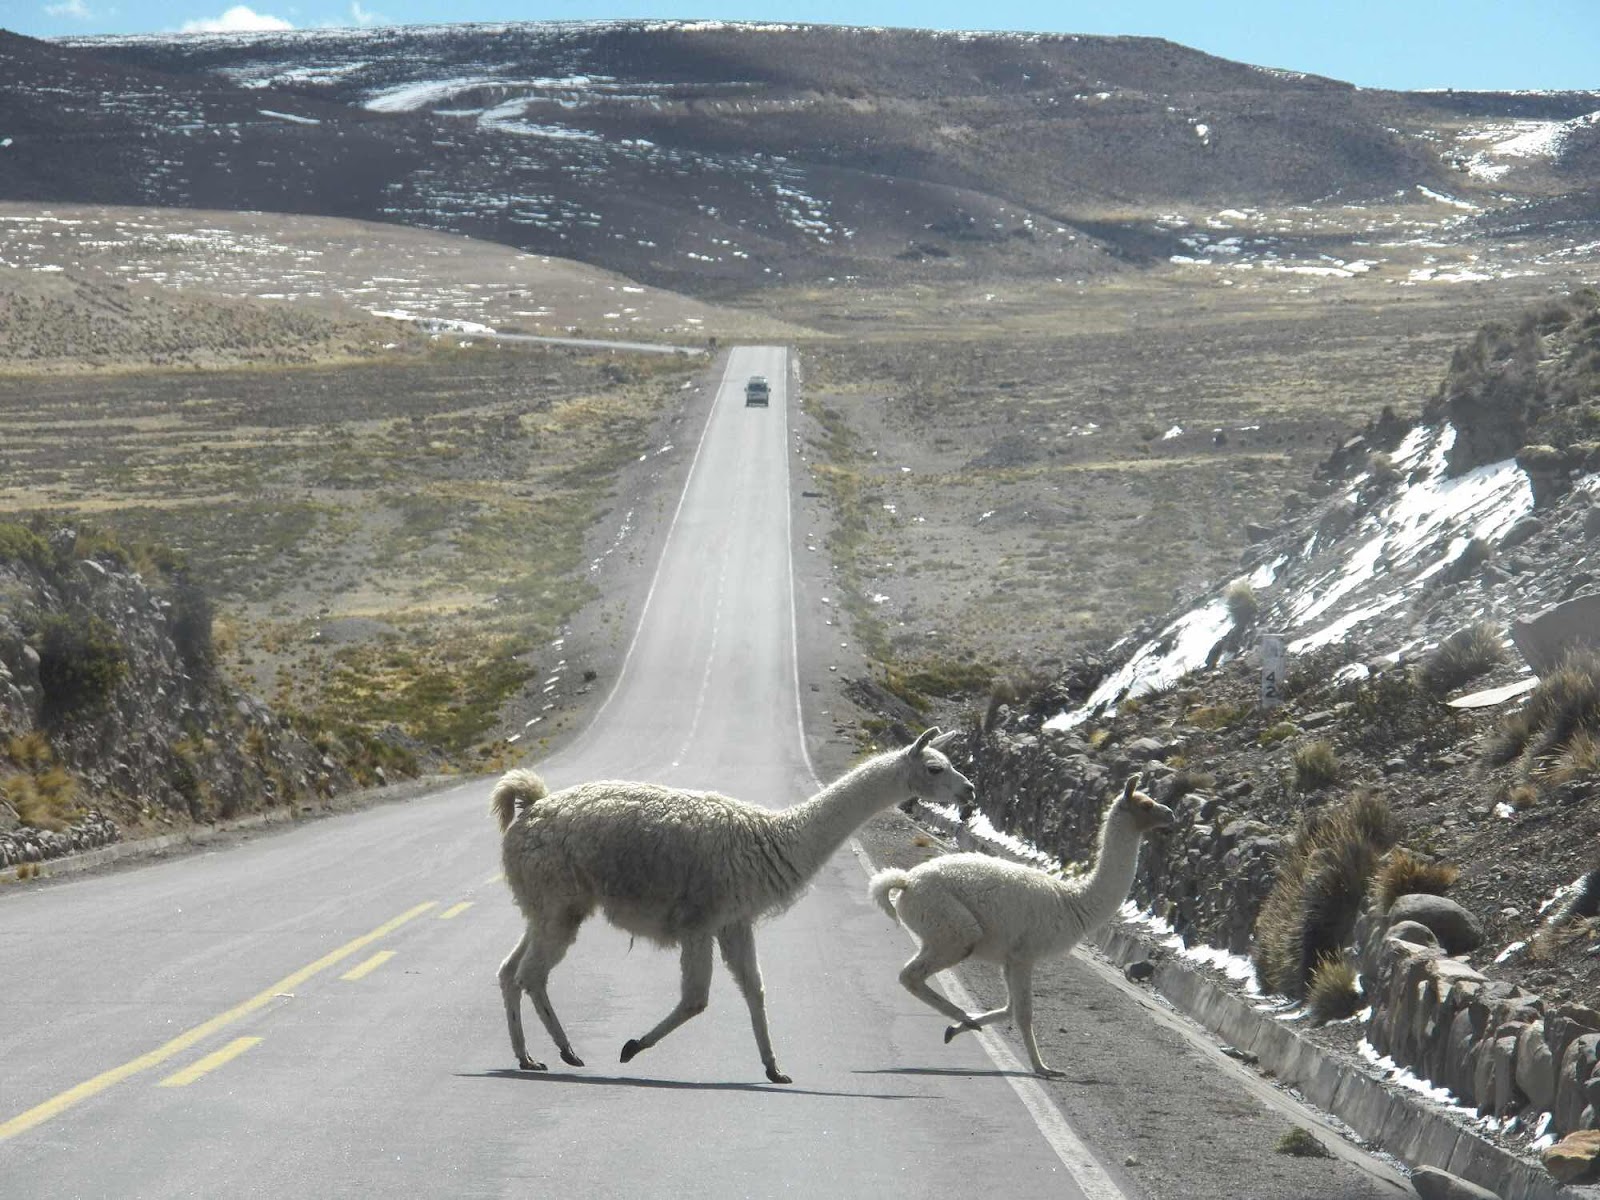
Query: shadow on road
{"points": [[973, 1073], [769, 1089]]}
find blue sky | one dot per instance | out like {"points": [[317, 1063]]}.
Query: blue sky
{"points": [[1470, 44]]}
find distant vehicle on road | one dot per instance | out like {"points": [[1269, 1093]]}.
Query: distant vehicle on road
{"points": [[756, 392]]}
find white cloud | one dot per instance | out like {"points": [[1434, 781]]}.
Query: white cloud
{"points": [[238, 19], [365, 16], [76, 9]]}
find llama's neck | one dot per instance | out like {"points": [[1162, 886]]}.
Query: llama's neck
{"points": [[813, 829], [1101, 893]]}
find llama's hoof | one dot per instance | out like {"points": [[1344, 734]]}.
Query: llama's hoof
{"points": [[527, 1064], [776, 1076], [571, 1059], [630, 1049], [960, 1027]]}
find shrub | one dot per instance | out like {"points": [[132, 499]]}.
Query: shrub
{"points": [[1403, 873], [1332, 994], [21, 544], [81, 662], [30, 750], [1301, 1144], [1321, 884], [190, 622], [1464, 655], [1565, 704], [1217, 716], [1381, 468], [1280, 732], [1315, 766], [44, 801], [1242, 604], [1393, 710], [1579, 758]]}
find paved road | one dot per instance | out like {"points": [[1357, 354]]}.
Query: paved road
{"points": [[315, 1012]]}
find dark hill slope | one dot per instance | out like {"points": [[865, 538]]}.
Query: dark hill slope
{"points": [[716, 157]]}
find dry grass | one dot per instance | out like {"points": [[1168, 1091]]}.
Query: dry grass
{"points": [[1333, 994], [45, 801], [1403, 873], [1554, 732], [1316, 766], [1462, 657], [1300, 1143], [1577, 758], [1242, 604], [433, 512], [1322, 882]]}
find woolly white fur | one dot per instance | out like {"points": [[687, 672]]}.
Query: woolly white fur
{"points": [[962, 906], [680, 868]]}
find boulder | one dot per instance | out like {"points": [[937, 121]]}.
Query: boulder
{"points": [[1577, 1064], [1536, 1069], [1414, 932], [1575, 1158], [1566, 1022], [1457, 929], [1545, 638]]}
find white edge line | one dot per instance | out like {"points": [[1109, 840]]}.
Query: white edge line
{"points": [[666, 544], [1080, 1162]]}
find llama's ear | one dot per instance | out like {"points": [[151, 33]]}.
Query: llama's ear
{"points": [[926, 736], [1133, 785], [944, 739]]}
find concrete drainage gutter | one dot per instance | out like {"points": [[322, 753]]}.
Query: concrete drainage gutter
{"points": [[1389, 1118]]}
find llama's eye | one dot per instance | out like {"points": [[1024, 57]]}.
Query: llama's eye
{"points": [[935, 768]]}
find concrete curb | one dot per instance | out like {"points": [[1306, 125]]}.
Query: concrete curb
{"points": [[200, 835], [1408, 1127], [1391, 1119]]}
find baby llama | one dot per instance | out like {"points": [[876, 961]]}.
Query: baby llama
{"points": [[961, 906], [683, 869]]}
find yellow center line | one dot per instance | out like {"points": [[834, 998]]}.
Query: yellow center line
{"points": [[210, 1062], [455, 910], [497, 877], [59, 1104], [367, 968]]}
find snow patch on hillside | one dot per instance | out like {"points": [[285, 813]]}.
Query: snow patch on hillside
{"points": [[1338, 582]]}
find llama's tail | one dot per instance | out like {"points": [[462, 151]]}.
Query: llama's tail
{"points": [[884, 884], [515, 791]]}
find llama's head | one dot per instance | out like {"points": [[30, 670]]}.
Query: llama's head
{"points": [[1146, 814], [929, 775]]}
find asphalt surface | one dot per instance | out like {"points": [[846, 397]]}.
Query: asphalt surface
{"points": [[315, 1013]]}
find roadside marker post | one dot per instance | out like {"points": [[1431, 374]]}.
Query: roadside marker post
{"points": [[1274, 669]]}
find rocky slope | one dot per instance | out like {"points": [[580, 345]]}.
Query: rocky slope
{"points": [[1411, 533], [113, 719]]}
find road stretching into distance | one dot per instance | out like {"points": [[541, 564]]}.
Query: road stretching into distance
{"points": [[315, 1013]]}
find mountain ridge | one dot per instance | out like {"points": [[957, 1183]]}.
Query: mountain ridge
{"points": [[722, 158]]}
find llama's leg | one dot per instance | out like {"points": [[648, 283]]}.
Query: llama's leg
{"points": [[929, 960], [511, 993], [1019, 978], [979, 1020], [738, 944], [696, 964], [547, 942]]}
